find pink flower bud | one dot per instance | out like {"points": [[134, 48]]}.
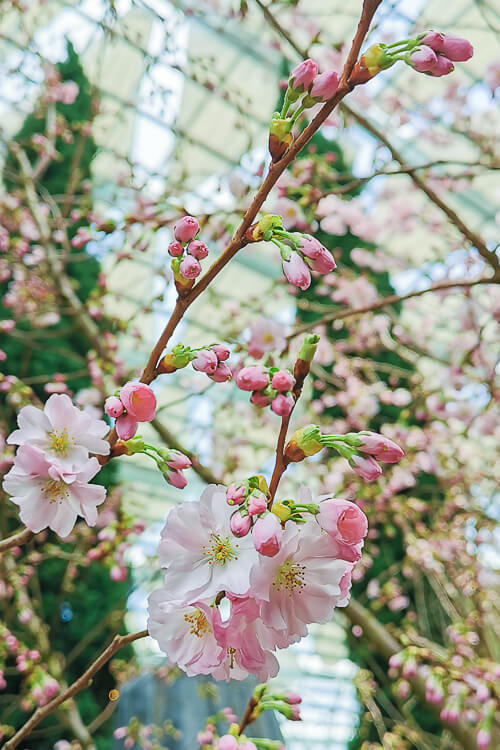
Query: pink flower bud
{"points": [[113, 406], [282, 405], [367, 468], [126, 426], [442, 67], [222, 373], [139, 401], [303, 75], [292, 698], [204, 738], [343, 520], [257, 503], [382, 448], [483, 739], [324, 85], [190, 267], [228, 742], [423, 59], [177, 460], [297, 272], [456, 48], [197, 249], [267, 535], [175, 249], [252, 378], [295, 713], [282, 380], [259, 399], [117, 573], [310, 246], [235, 495], [433, 39], [205, 361], [323, 263], [240, 525], [176, 479], [186, 229], [222, 351], [120, 733]]}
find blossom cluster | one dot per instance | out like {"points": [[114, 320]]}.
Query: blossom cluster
{"points": [[186, 252], [269, 386], [50, 477], [300, 253], [134, 402], [229, 601], [210, 360]]}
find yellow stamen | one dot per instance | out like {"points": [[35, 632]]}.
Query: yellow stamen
{"points": [[290, 576], [59, 442], [198, 622], [220, 550]]}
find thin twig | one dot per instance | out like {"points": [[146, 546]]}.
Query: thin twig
{"points": [[17, 539]]}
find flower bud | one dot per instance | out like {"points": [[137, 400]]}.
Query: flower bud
{"points": [[323, 87], [324, 262], [222, 373], [197, 249], [423, 59], [240, 525], [303, 75], [259, 398], [303, 442], [175, 478], [190, 268], [113, 406], [139, 401], [176, 460], [206, 361], [228, 742], [175, 249], [186, 229], [282, 380], [235, 495], [252, 378], [282, 405], [366, 466], [443, 67], [280, 137], [222, 351], [257, 503], [267, 534], [382, 448], [126, 426], [343, 521], [374, 60], [296, 271]]}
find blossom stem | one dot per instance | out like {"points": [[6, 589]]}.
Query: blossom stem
{"points": [[247, 718]]}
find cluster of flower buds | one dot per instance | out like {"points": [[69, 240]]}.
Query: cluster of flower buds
{"points": [[269, 385], [111, 545], [361, 449], [211, 360], [133, 403], [170, 462], [300, 253], [431, 52], [306, 87], [186, 253]]}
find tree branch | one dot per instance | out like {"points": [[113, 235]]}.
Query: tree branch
{"points": [[76, 687], [17, 539]]}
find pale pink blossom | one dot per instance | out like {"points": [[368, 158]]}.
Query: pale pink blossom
{"points": [[126, 426], [297, 272], [267, 535], [206, 361], [346, 524], [266, 336], [200, 552], [301, 583], [324, 85], [303, 75], [62, 431], [51, 496], [240, 525], [366, 466]]}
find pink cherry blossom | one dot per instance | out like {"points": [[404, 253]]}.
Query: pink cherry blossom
{"points": [[346, 524], [228, 742], [139, 400], [282, 380], [197, 249], [267, 535], [235, 494], [257, 503], [222, 373], [324, 85], [382, 448], [324, 262], [200, 552], [206, 361], [177, 460], [175, 249], [423, 58], [62, 431], [259, 399], [184, 634], [303, 75], [240, 525], [222, 351], [50, 495], [190, 267], [301, 583], [176, 479], [113, 406], [282, 405], [265, 336], [367, 468]]}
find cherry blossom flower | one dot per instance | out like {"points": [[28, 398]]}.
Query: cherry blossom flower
{"points": [[52, 496], [62, 431], [265, 336], [301, 583], [200, 552]]}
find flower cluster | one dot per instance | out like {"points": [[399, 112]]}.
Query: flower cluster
{"points": [[186, 253], [210, 360], [300, 253], [306, 87], [268, 386], [229, 601], [308, 440], [52, 468], [133, 403]]}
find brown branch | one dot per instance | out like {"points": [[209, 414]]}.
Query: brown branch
{"points": [[247, 717], [475, 239], [77, 686], [391, 300], [385, 644], [17, 539]]}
